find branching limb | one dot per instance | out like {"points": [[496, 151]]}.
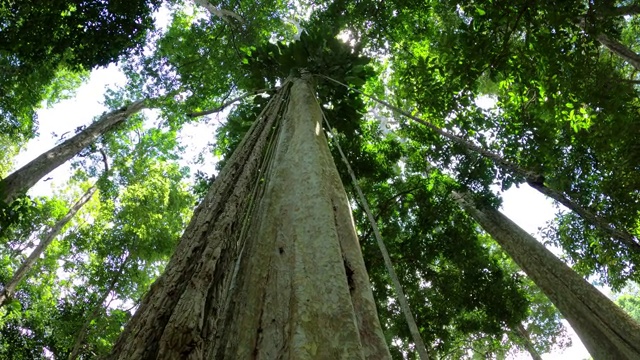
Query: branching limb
{"points": [[225, 104]]}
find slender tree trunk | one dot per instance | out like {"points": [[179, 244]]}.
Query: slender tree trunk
{"points": [[82, 333], [270, 266], [534, 179], [21, 273], [623, 236], [605, 330], [24, 178], [526, 341], [620, 50]]}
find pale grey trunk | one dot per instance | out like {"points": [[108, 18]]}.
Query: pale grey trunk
{"points": [[24, 178], [21, 273], [270, 266], [527, 343], [605, 330], [620, 50], [622, 235]]}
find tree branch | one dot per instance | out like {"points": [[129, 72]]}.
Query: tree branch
{"points": [[224, 105]]}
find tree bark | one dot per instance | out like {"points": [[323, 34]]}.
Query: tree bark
{"points": [[270, 266], [24, 178], [526, 342], [623, 236], [614, 46], [21, 273], [629, 10], [620, 50], [605, 330]]}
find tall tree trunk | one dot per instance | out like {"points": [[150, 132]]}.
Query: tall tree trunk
{"points": [[24, 178], [270, 266], [605, 330], [21, 273], [620, 50], [522, 332], [99, 306], [588, 215]]}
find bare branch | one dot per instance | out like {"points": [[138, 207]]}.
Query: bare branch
{"points": [[225, 104], [105, 160]]}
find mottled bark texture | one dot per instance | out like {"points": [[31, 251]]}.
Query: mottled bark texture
{"points": [[24, 178], [270, 266], [605, 330]]}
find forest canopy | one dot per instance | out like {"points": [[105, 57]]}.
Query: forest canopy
{"points": [[424, 114]]}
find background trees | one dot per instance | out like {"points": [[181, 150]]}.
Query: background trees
{"points": [[47, 47], [564, 114]]}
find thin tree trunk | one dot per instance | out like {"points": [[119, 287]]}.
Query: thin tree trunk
{"points": [[420, 347], [82, 334], [624, 237], [526, 340], [21, 273], [620, 50], [270, 266], [605, 330], [535, 180], [24, 178]]}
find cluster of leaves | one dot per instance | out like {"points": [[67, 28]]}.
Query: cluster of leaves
{"points": [[562, 111], [105, 259], [629, 300], [47, 48], [318, 52], [456, 287]]}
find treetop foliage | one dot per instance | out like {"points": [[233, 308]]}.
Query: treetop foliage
{"points": [[47, 47], [564, 108]]}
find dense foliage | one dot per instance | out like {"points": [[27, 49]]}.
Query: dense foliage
{"points": [[564, 108], [47, 48]]}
